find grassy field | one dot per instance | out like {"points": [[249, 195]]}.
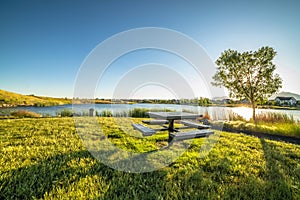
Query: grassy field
{"points": [[13, 99], [44, 158]]}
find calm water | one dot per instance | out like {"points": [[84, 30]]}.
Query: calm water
{"points": [[215, 112]]}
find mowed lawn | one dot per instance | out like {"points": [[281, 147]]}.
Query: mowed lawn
{"points": [[45, 159]]}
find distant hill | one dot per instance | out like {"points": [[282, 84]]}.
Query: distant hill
{"points": [[285, 94], [9, 99]]}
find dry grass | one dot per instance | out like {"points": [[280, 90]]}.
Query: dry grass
{"points": [[272, 117], [25, 114]]}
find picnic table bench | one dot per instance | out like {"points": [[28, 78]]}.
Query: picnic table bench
{"points": [[190, 135], [155, 122], [143, 129], [194, 125], [163, 118]]}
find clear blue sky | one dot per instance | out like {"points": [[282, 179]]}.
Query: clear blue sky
{"points": [[43, 43]]}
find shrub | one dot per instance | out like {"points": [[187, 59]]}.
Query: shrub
{"points": [[142, 112], [38, 104], [139, 113], [206, 115], [106, 113], [65, 113], [120, 114], [25, 113]]}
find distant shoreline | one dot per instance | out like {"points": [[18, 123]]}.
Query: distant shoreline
{"points": [[110, 102], [12, 100]]}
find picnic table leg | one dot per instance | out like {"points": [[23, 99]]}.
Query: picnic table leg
{"points": [[170, 129]]}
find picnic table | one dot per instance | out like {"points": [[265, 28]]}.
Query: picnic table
{"points": [[167, 119]]}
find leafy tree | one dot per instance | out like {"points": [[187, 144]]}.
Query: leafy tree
{"points": [[248, 75], [203, 101]]}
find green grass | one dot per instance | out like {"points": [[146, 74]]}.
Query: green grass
{"points": [[8, 99], [45, 159], [135, 112]]}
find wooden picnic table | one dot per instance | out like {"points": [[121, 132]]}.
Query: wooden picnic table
{"points": [[164, 118], [172, 116]]}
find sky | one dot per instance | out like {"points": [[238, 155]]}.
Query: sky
{"points": [[43, 44]]}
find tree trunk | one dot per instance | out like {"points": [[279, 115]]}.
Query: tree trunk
{"points": [[253, 112]]}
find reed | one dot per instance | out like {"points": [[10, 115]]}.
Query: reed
{"points": [[272, 117]]}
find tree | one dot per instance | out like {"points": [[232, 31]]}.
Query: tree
{"points": [[248, 75], [203, 101]]}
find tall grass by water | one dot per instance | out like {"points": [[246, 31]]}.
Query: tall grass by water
{"points": [[272, 117], [268, 122], [135, 112], [278, 123], [266, 117]]}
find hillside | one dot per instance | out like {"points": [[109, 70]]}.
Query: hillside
{"points": [[285, 94], [9, 99]]}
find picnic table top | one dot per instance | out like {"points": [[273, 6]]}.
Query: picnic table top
{"points": [[173, 115]]}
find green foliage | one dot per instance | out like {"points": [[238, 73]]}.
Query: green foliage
{"points": [[136, 113], [139, 112], [142, 112], [203, 101], [45, 159], [106, 113], [248, 75], [65, 113]]}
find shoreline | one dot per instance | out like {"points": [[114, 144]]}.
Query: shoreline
{"points": [[130, 103]]}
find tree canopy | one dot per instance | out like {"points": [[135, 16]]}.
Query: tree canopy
{"points": [[248, 74]]}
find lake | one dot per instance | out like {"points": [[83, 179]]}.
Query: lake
{"points": [[215, 112]]}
